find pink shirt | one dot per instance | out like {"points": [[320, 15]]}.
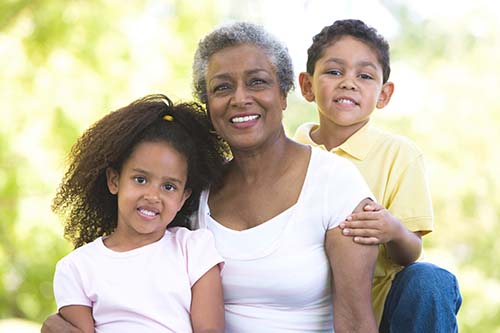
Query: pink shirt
{"points": [[147, 289]]}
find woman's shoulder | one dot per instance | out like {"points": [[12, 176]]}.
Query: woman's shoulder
{"points": [[321, 157]]}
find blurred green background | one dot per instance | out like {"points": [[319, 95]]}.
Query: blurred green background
{"points": [[64, 64]]}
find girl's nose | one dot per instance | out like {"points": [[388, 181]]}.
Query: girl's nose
{"points": [[152, 195]]}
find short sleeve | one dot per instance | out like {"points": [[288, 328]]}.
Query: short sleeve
{"points": [[345, 189], [201, 254], [68, 286], [411, 200]]}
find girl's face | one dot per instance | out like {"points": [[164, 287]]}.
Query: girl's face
{"points": [[244, 98], [151, 189]]}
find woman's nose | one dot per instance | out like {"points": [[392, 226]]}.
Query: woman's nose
{"points": [[241, 97]]}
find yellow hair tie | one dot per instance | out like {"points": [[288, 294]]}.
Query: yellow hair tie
{"points": [[168, 117]]}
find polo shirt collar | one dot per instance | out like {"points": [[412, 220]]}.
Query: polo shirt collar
{"points": [[361, 142], [358, 145]]}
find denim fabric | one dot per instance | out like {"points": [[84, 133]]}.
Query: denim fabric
{"points": [[424, 298]]}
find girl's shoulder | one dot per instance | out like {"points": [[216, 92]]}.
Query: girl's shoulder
{"points": [[184, 235], [82, 252]]}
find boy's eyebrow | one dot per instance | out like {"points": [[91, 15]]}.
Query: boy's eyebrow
{"points": [[362, 63], [170, 179]]}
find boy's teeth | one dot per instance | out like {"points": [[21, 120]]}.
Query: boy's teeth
{"points": [[346, 101], [243, 119]]}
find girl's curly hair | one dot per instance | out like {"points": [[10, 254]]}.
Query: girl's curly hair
{"points": [[90, 210]]}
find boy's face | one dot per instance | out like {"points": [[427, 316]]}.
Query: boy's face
{"points": [[346, 85]]}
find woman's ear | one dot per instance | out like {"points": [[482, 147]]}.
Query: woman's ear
{"points": [[305, 81], [112, 177], [385, 95]]}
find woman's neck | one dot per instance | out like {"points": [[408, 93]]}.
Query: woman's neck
{"points": [[250, 166]]}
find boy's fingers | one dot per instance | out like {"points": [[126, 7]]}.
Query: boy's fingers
{"points": [[362, 216], [366, 240], [373, 207], [359, 232], [358, 224]]}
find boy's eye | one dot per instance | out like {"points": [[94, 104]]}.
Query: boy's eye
{"points": [[140, 180], [335, 72], [169, 187], [366, 76]]}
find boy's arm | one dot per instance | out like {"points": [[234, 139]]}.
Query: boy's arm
{"points": [[376, 225], [79, 316], [352, 267], [207, 303]]}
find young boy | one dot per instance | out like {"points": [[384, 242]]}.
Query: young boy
{"points": [[347, 76]]}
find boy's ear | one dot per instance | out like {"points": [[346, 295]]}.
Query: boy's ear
{"points": [[305, 81], [385, 94], [112, 177]]}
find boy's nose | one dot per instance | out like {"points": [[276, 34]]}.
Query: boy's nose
{"points": [[348, 84]]}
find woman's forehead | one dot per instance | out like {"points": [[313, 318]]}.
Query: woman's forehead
{"points": [[243, 57]]}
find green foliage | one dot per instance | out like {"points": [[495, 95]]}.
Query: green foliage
{"points": [[63, 65], [66, 63]]}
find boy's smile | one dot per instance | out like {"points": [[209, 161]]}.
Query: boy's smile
{"points": [[346, 85]]}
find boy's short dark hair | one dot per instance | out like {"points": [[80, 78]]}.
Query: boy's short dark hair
{"points": [[356, 29]]}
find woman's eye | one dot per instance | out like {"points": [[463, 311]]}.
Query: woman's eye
{"points": [[220, 88], [140, 180], [255, 82]]}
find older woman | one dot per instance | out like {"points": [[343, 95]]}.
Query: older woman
{"points": [[275, 217]]}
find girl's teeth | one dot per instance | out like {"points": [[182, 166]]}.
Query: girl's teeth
{"points": [[147, 212]]}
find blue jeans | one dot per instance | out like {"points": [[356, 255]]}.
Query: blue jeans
{"points": [[423, 299]]}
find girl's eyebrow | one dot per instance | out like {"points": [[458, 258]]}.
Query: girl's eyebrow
{"points": [[170, 179]]}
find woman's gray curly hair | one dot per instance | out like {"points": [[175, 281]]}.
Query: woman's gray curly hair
{"points": [[237, 34]]}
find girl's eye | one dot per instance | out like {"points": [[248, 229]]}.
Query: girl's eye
{"points": [[168, 187], [140, 180]]}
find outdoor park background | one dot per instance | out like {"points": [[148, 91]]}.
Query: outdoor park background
{"points": [[64, 64]]}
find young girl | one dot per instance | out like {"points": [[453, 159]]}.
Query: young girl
{"points": [[135, 173]]}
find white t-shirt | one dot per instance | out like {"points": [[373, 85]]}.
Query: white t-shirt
{"points": [[277, 276], [147, 289]]}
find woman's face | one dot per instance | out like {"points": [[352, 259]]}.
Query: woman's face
{"points": [[244, 97]]}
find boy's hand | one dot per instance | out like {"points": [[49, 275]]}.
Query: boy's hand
{"points": [[374, 226]]}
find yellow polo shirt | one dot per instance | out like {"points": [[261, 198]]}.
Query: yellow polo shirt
{"points": [[394, 169]]}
